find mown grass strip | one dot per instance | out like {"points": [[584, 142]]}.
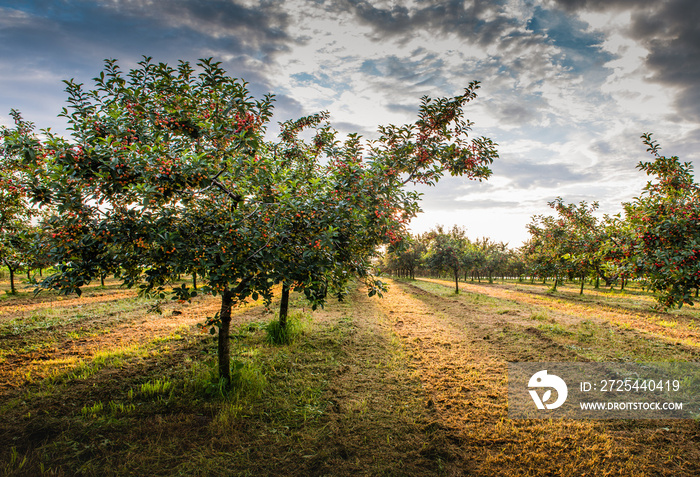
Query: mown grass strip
{"points": [[54, 319], [492, 444], [295, 408], [681, 335]]}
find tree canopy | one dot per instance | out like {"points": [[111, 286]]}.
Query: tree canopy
{"points": [[665, 225]]}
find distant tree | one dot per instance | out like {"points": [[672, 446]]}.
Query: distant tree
{"points": [[582, 237], [447, 252], [496, 258], [475, 258], [548, 248], [16, 212], [405, 257], [516, 266], [613, 255]]}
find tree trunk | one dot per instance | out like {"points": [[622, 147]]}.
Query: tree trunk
{"points": [[284, 306], [224, 332], [456, 282], [556, 282], [102, 280], [13, 291], [583, 280], [194, 280]]}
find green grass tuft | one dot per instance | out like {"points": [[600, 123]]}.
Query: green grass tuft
{"points": [[295, 326], [155, 388]]}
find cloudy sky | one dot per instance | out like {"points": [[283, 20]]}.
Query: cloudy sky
{"points": [[568, 86]]}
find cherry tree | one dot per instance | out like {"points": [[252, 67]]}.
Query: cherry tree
{"points": [[665, 228], [447, 252], [167, 172]]}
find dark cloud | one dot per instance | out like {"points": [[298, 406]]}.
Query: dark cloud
{"points": [[519, 113], [530, 51], [423, 68], [43, 42], [348, 128], [259, 29], [602, 5], [525, 174], [132, 25], [468, 19], [482, 24], [670, 31], [580, 48], [674, 50], [602, 147]]}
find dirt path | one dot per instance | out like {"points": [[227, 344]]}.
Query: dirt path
{"points": [[101, 323], [375, 419], [23, 307], [673, 327], [461, 351]]}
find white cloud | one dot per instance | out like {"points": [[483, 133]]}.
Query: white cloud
{"points": [[10, 17]]}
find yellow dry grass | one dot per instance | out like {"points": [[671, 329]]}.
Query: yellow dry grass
{"points": [[462, 364]]}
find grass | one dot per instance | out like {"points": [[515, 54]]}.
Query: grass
{"points": [[295, 325], [156, 388], [127, 408], [554, 329], [590, 328], [408, 385], [45, 319], [540, 316], [667, 323]]}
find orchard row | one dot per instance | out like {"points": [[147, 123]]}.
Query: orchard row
{"points": [[656, 241]]}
